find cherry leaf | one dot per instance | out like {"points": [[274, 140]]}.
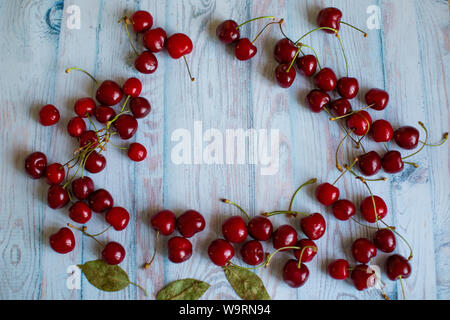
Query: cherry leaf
{"points": [[245, 283], [104, 276], [185, 289]]}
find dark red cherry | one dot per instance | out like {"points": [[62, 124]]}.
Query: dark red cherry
{"points": [[48, 115], [330, 18], [103, 114], [137, 152], [363, 250], [155, 39], [317, 100], [89, 138], [140, 107], [294, 276], [80, 212], [132, 87], [392, 162], [309, 249], [338, 269], [284, 236], [327, 194], [234, 229], [190, 223], [384, 240], [84, 107], [164, 222], [35, 165], [368, 211], [260, 228], [109, 93], [118, 218], [252, 253], [228, 31], [220, 252], [407, 137], [126, 126], [141, 21], [113, 253], [397, 267], [82, 187], [285, 51], [284, 77], [325, 79], [348, 87], [378, 98], [179, 45], [245, 50], [340, 107], [76, 127], [381, 131], [307, 65], [95, 162], [55, 173], [343, 209], [146, 62], [313, 226], [180, 249], [363, 277], [359, 123], [57, 196], [62, 241], [100, 200], [369, 163]]}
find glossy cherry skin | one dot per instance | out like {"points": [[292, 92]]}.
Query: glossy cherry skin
{"points": [[338, 269], [392, 162], [379, 98], [368, 210], [284, 77], [359, 123], [407, 137], [369, 163], [118, 218], [252, 253], [284, 236], [329, 17], [317, 100], [141, 21], [228, 31], [327, 194], [344, 209], [35, 164], [80, 212], [113, 253], [76, 127], [179, 45], [164, 222], [307, 65], [363, 277], [55, 173], [137, 152], [363, 250], [285, 51], [260, 228], [309, 253], [180, 249], [126, 126], [245, 50], [89, 138], [57, 197], [190, 223], [82, 187], [340, 107], [384, 240], [294, 276], [132, 87], [146, 62], [397, 266], [325, 79], [140, 107], [109, 93], [48, 115], [95, 162], [100, 200], [348, 87], [234, 229], [313, 226], [220, 252], [381, 131], [103, 114], [62, 241], [155, 39], [84, 107]]}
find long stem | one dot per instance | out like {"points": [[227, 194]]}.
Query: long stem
{"points": [[314, 30], [423, 144], [148, 264], [124, 19], [288, 212], [263, 17], [278, 250], [301, 254], [343, 52], [262, 30], [342, 127], [403, 288], [336, 154], [404, 240], [136, 285], [188, 69], [351, 113], [310, 181], [83, 230], [82, 70], [293, 60], [351, 26], [237, 206], [315, 54], [444, 139]]}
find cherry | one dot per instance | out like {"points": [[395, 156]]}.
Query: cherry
{"points": [[338, 269], [313, 226], [146, 62], [309, 249], [260, 228], [367, 209], [392, 162], [118, 217], [155, 39], [76, 127], [89, 138], [363, 250], [100, 200], [330, 18], [344, 209], [325, 79], [252, 253], [113, 253], [103, 114], [327, 194], [245, 50], [307, 65], [140, 107], [55, 173], [180, 249], [348, 87], [49, 115], [132, 87], [164, 222], [62, 241], [363, 277], [381, 131], [35, 164], [369, 163], [190, 223], [95, 162], [285, 75], [284, 236], [126, 126], [109, 93], [141, 21], [294, 276], [137, 152], [228, 31], [285, 51], [220, 252], [82, 187], [378, 98], [407, 137], [84, 107], [234, 229], [397, 267], [57, 196], [384, 240], [359, 123], [179, 45], [317, 100], [341, 107], [80, 212]]}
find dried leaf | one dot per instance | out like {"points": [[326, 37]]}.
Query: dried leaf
{"points": [[104, 276], [185, 289], [245, 283]]}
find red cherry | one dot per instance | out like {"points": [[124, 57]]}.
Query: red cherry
{"points": [[180, 249], [285, 51], [338, 269], [343, 209], [220, 252], [140, 107], [84, 107], [284, 236], [329, 17], [340, 107], [190, 223], [381, 131], [325, 79], [141, 21], [379, 98], [126, 126], [76, 127], [260, 228], [234, 229], [118, 217], [137, 152], [284, 77], [55, 173], [146, 62], [368, 212], [359, 123], [245, 50], [348, 87], [57, 197], [113, 253], [103, 114], [327, 194], [100, 200], [317, 100], [369, 163], [89, 138], [397, 266], [294, 276], [313, 226], [49, 115], [308, 253], [132, 87], [392, 162], [62, 241], [252, 253], [164, 222], [363, 277], [82, 187], [363, 250], [109, 93], [307, 65], [407, 137], [384, 240], [179, 45], [228, 31], [80, 212], [95, 162], [35, 164], [155, 39]]}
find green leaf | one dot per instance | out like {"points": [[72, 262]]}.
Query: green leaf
{"points": [[104, 276], [185, 289], [245, 283]]}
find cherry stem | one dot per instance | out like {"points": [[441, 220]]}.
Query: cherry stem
{"points": [[270, 256], [370, 227], [444, 139], [125, 19], [423, 144], [237, 206], [352, 26], [314, 30], [404, 240], [347, 168], [343, 52], [287, 212], [148, 264], [136, 285], [301, 254], [82, 70], [315, 54], [365, 179], [344, 129], [263, 17], [83, 230], [188, 69], [293, 60], [265, 27], [351, 113], [310, 181], [403, 288], [338, 166]]}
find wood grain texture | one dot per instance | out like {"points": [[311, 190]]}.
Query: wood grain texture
{"points": [[409, 60]]}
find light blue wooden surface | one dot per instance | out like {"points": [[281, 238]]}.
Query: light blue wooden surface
{"points": [[409, 56]]}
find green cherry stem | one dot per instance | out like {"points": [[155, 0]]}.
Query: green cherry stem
{"points": [[347, 168], [301, 254], [265, 27], [343, 128], [125, 21], [293, 60], [310, 181], [270, 256], [254, 19], [351, 26], [315, 54], [148, 264], [314, 30], [136, 285], [237, 206], [403, 288], [403, 238], [444, 139], [343, 52], [188, 69], [351, 113], [287, 212], [83, 230], [82, 70], [336, 154]]}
